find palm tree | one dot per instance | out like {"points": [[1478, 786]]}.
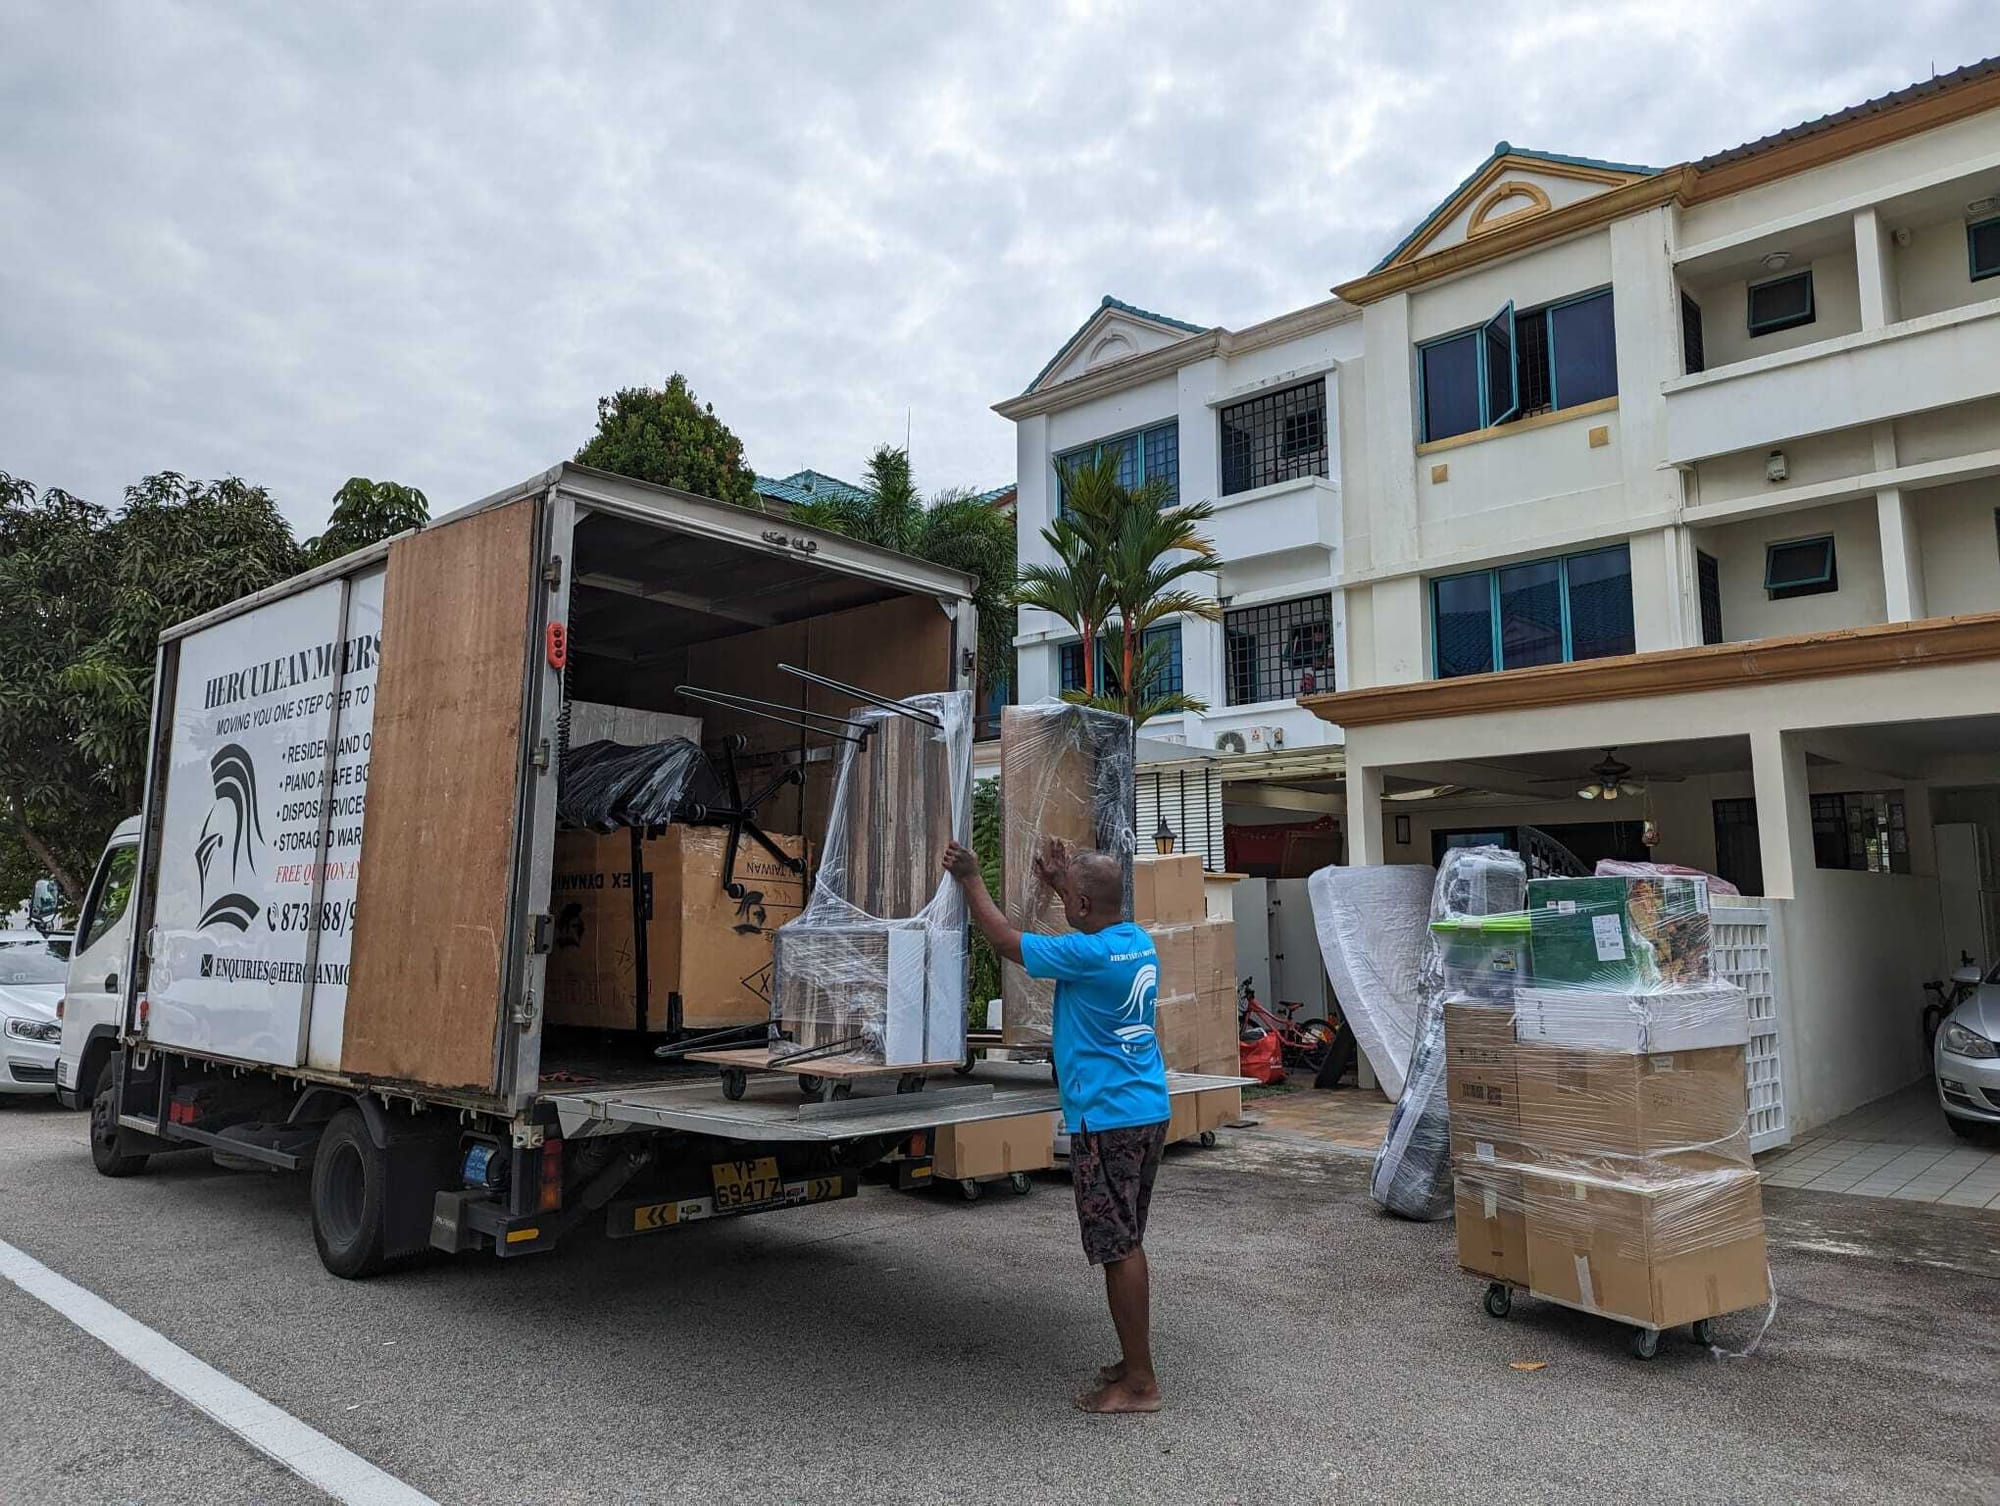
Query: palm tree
{"points": [[1116, 574], [955, 529]]}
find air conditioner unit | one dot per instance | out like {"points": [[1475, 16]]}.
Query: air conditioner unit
{"points": [[1250, 740]]}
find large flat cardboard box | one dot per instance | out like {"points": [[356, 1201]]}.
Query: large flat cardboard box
{"points": [[1606, 1107], [1667, 1019], [1175, 944], [1178, 1027], [1656, 1254], [711, 951], [1215, 956], [1492, 1224], [1167, 890], [995, 1147], [1202, 1112], [1481, 1089]]}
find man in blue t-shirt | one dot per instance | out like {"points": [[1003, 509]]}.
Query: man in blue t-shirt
{"points": [[1113, 1080]]}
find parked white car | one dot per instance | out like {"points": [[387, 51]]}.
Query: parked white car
{"points": [[1966, 1062], [98, 954], [31, 986]]}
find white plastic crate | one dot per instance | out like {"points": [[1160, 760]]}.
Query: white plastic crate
{"points": [[1745, 945]]}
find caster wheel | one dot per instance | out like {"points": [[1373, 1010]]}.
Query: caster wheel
{"points": [[1208, 1139], [910, 1082], [841, 1090], [964, 1068], [810, 1085], [1703, 1330], [1645, 1343], [1018, 1181], [971, 1191], [733, 1084], [1499, 1299]]}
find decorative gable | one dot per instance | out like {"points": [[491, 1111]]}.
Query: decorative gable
{"points": [[1116, 332], [1512, 186]]}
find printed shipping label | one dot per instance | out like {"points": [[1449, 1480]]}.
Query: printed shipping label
{"points": [[1610, 936]]}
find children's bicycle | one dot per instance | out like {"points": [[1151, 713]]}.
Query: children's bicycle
{"points": [[1307, 1043]]}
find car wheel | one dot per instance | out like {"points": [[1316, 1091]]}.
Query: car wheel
{"points": [[104, 1153], [1971, 1129], [349, 1178]]}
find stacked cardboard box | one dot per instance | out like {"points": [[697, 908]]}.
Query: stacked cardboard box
{"points": [[1196, 1010], [1599, 1125], [706, 952], [995, 1147]]}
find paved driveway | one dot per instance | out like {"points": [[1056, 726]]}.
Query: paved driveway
{"points": [[920, 1348]]}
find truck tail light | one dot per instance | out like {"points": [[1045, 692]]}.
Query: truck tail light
{"points": [[145, 1010], [551, 1175], [59, 1007]]}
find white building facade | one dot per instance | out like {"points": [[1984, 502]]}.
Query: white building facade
{"points": [[1697, 471]]}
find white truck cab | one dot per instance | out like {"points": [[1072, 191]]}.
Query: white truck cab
{"points": [[93, 997]]}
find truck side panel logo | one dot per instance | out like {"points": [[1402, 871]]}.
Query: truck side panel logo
{"points": [[230, 838]]}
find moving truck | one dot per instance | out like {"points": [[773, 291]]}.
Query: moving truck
{"points": [[340, 913]]}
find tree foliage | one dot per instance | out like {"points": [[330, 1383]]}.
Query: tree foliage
{"points": [[364, 513], [1121, 557], [954, 529], [84, 596], [664, 435]]}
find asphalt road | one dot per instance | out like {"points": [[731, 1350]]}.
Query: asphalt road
{"points": [[919, 1348]]}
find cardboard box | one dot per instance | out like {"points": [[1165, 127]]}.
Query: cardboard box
{"points": [[1656, 1254], [1606, 1107], [995, 1147], [1215, 956], [1203, 1112], [1216, 1034], [1481, 1090], [1177, 1024], [1167, 890], [1681, 1019], [1492, 1224], [712, 951], [1175, 944]]}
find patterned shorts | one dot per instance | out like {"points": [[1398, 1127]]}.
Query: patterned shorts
{"points": [[1112, 1171]]}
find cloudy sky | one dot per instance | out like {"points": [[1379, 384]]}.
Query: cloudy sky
{"points": [[417, 241]]}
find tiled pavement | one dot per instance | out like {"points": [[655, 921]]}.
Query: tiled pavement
{"points": [[1896, 1147], [1354, 1119]]}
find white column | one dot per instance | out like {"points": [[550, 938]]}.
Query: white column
{"points": [[1896, 525], [1784, 810], [1364, 814], [1875, 266], [1390, 399]]}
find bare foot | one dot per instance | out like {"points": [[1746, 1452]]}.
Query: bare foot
{"points": [[1111, 1374], [1120, 1396]]}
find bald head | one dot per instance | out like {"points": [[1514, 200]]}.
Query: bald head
{"points": [[1097, 877]]}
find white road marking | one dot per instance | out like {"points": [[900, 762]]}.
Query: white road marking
{"points": [[306, 1452]]}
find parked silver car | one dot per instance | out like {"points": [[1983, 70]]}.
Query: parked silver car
{"points": [[1966, 1062], [31, 986]]}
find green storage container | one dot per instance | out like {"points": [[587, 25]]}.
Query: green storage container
{"points": [[1581, 935]]}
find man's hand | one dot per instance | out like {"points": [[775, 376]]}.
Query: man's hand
{"points": [[962, 863], [1052, 864]]}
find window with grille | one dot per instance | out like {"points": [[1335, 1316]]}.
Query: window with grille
{"points": [[1518, 364], [1710, 577], [1693, 358], [1739, 853], [1143, 455], [1167, 677], [1552, 611], [1865, 832], [1279, 650], [1274, 436]]}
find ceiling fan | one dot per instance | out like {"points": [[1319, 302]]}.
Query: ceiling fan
{"points": [[1612, 778]]}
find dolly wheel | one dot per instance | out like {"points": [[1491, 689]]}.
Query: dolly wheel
{"points": [[1703, 1330], [810, 1085], [1018, 1180], [971, 1190], [843, 1089], [910, 1082], [1645, 1343], [1208, 1139], [733, 1083], [1499, 1299]]}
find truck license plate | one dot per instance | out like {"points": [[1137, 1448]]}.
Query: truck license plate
{"points": [[740, 1185]]}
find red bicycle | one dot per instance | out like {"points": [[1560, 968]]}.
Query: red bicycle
{"points": [[1306, 1043]]}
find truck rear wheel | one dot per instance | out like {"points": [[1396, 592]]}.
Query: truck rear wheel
{"points": [[104, 1153], [349, 1181]]}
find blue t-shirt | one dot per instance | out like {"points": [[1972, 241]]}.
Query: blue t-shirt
{"points": [[1107, 1054]]}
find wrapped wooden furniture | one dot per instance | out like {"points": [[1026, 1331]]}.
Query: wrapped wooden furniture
{"points": [[873, 969], [1065, 771]]}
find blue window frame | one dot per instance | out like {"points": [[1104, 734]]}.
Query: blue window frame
{"points": [[1982, 248], [1551, 611], [1167, 682], [1143, 455], [1537, 360], [1781, 303]]}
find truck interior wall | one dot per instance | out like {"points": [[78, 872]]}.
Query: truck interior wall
{"points": [[424, 991]]}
